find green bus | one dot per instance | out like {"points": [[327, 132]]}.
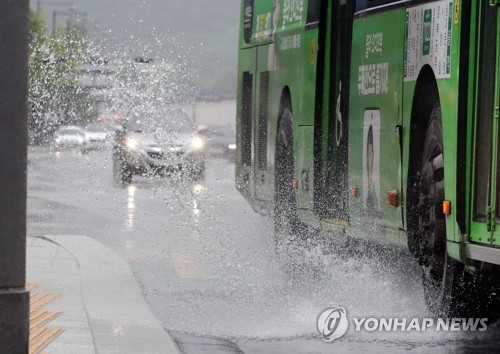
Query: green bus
{"points": [[378, 120]]}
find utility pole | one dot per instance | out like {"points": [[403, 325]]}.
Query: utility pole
{"points": [[39, 4], [72, 13], [14, 299]]}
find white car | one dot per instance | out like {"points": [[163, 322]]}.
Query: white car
{"points": [[96, 136], [70, 137]]}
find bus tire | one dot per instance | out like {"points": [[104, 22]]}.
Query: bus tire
{"points": [[449, 289], [287, 226]]}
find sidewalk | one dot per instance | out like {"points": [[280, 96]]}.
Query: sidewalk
{"points": [[101, 305]]}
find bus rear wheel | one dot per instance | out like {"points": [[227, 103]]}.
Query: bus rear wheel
{"points": [[448, 288], [287, 226]]}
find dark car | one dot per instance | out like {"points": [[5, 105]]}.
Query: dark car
{"points": [[97, 136], [158, 147]]}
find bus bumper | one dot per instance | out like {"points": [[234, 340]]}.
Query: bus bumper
{"points": [[482, 253]]}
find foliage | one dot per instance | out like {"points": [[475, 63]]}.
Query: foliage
{"points": [[55, 97]]}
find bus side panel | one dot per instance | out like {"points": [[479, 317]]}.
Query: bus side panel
{"points": [[290, 61], [281, 69], [266, 105], [485, 201], [244, 158], [304, 147], [441, 53], [375, 118]]}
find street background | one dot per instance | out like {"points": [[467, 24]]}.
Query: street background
{"points": [[192, 255], [206, 264]]}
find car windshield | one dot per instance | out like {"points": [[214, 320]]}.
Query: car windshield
{"points": [[173, 121], [94, 128], [70, 131]]}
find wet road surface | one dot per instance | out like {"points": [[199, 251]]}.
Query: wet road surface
{"points": [[207, 266]]}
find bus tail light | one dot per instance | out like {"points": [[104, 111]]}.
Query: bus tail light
{"points": [[446, 207], [392, 198]]}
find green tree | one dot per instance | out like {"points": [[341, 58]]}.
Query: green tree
{"points": [[55, 97]]}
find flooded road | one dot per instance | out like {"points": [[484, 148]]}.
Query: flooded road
{"points": [[207, 266]]}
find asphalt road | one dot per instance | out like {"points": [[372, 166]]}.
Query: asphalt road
{"points": [[207, 266]]}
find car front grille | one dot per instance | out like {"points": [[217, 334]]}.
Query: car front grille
{"points": [[155, 155]]}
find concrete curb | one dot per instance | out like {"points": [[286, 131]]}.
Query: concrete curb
{"points": [[119, 318]]}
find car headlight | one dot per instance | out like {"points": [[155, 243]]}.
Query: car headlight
{"points": [[197, 143], [132, 144], [58, 140], [232, 146], [80, 140]]}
